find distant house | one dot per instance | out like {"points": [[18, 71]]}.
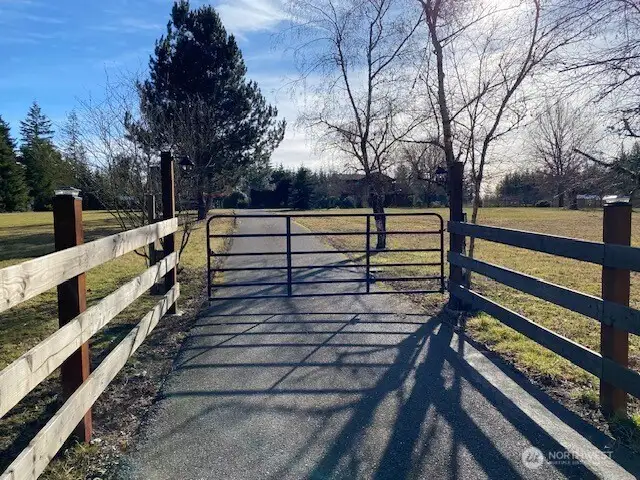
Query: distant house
{"points": [[357, 186], [589, 201]]}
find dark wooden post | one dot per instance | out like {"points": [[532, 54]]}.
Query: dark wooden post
{"points": [[168, 211], [456, 242], [72, 297], [614, 343]]}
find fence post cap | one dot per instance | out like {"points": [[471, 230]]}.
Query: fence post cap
{"points": [[616, 200], [67, 192]]}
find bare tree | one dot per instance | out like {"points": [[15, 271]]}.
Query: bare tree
{"points": [[623, 170], [558, 131], [353, 56], [424, 160], [479, 68], [609, 65], [124, 168], [125, 162]]}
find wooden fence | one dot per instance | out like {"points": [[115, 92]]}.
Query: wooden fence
{"points": [[617, 320], [67, 348]]}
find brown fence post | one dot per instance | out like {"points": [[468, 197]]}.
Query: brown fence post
{"points": [[72, 296], [168, 211], [456, 242], [614, 343]]}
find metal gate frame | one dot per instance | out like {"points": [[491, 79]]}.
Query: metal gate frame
{"points": [[289, 267]]}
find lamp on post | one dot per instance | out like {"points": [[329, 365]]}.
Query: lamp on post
{"points": [[186, 164], [442, 176]]}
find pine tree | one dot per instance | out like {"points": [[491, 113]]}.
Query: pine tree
{"points": [[198, 63], [13, 187], [45, 168], [301, 190], [36, 126]]}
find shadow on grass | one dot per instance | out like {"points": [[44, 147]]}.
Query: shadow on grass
{"points": [[25, 420]]}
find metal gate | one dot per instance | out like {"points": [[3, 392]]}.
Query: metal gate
{"points": [[216, 261]]}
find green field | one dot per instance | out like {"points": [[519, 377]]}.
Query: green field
{"points": [[540, 364], [27, 235]]}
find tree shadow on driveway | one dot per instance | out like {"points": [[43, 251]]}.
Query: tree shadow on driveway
{"points": [[307, 394]]}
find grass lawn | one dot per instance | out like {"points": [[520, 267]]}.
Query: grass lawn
{"points": [[538, 362], [27, 235]]}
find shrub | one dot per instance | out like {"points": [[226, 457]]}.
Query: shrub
{"points": [[235, 200]]}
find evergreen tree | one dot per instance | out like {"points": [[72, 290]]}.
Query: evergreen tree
{"points": [[301, 190], [13, 186], [36, 126], [45, 168], [197, 68], [281, 180]]}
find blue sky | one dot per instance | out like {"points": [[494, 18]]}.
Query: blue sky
{"points": [[59, 51]]}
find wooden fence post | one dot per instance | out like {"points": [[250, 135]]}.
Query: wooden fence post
{"points": [[614, 343], [72, 296], [456, 241], [169, 211]]}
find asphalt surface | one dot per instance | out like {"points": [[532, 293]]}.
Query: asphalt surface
{"points": [[345, 387]]}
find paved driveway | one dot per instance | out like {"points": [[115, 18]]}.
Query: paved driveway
{"points": [[353, 387]]}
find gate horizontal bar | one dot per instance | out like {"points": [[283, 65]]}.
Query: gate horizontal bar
{"points": [[319, 282], [326, 294], [390, 232], [310, 234], [406, 279], [324, 252], [312, 267], [321, 215]]}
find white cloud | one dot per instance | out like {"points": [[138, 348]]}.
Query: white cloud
{"points": [[245, 16]]}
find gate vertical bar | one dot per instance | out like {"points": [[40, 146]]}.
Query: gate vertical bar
{"points": [[208, 259], [442, 286], [169, 211], [72, 299], [289, 269], [614, 343], [368, 248]]}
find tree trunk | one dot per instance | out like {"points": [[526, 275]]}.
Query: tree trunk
{"points": [[574, 201], [204, 196], [560, 197], [202, 206], [377, 205]]}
